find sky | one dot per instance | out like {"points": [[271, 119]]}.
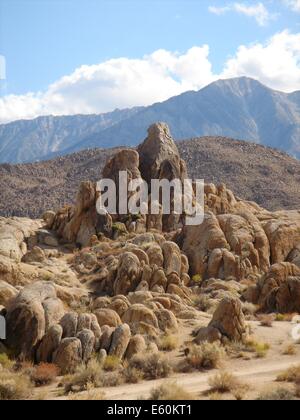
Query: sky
{"points": [[65, 57]]}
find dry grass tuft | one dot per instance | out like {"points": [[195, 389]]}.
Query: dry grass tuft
{"points": [[14, 386], [260, 349], [5, 362], [112, 363], [168, 342], [289, 350], [205, 356], [85, 375], [279, 394], [170, 391], [111, 379], [215, 396], [153, 366], [223, 382], [132, 375], [44, 374], [290, 375], [90, 395]]}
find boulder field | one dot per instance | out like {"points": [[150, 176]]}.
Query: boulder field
{"points": [[78, 282]]}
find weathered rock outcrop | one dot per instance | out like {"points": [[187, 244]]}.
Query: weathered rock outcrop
{"points": [[228, 323], [68, 356], [30, 315], [14, 233], [284, 236], [278, 290]]}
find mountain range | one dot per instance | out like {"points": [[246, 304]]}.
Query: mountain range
{"points": [[240, 108]]}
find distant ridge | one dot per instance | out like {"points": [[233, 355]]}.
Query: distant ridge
{"points": [[253, 172], [238, 108]]}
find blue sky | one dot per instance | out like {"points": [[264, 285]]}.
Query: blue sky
{"points": [[45, 41]]}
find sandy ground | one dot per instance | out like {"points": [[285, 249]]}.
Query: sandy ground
{"points": [[258, 373]]}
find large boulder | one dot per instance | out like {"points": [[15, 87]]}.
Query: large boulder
{"points": [[69, 323], [279, 289], [13, 235], [229, 320], [136, 345], [138, 313], [128, 275], [68, 356], [78, 224], [30, 315], [108, 317], [126, 160], [160, 159], [198, 242], [247, 239], [36, 255], [49, 344], [106, 337], [159, 156], [120, 341], [172, 258], [7, 293], [166, 320], [284, 235], [87, 339]]}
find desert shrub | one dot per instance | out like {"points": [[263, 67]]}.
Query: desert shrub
{"points": [[260, 349], [153, 365], [168, 342], [289, 350], [266, 320], [5, 362], [215, 396], [279, 318], [205, 356], [279, 394], [170, 391], [223, 382], [110, 379], [132, 375], [85, 375], [41, 395], [285, 317], [204, 303], [240, 393], [90, 395], [290, 375], [44, 374], [111, 363], [197, 279], [14, 386]]}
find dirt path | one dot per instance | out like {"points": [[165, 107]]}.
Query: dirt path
{"points": [[258, 375]]}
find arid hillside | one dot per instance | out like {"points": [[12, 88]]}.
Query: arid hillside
{"points": [[253, 172]]}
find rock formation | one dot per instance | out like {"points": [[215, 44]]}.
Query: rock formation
{"points": [[79, 282]]}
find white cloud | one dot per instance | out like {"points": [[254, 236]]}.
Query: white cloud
{"points": [[123, 82], [257, 11], [116, 83], [276, 64], [219, 10], [293, 4]]}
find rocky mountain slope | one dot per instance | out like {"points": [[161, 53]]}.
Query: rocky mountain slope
{"points": [[98, 298], [239, 108], [253, 172]]}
